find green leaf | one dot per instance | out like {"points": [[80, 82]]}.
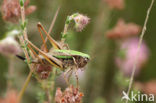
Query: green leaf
{"points": [[21, 3], [68, 20]]}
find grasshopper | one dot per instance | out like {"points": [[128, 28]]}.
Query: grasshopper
{"points": [[65, 59]]}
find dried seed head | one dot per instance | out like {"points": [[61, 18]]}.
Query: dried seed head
{"points": [[115, 4], [70, 95], [43, 70], [125, 63], [9, 46], [80, 22], [11, 10], [123, 30]]}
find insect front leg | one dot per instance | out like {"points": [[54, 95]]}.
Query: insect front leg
{"points": [[76, 72], [66, 76], [76, 65], [77, 78]]}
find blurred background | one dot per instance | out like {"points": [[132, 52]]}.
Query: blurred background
{"points": [[102, 80]]}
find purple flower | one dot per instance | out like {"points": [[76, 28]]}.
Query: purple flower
{"points": [[128, 49]]}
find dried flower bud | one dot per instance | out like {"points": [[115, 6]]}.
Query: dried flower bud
{"points": [[70, 95], [123, 30], [80, 22], [126, 61], [11, 10], [115, 4], [43, 70], [11, 97], [148, 87], [9, 46]]}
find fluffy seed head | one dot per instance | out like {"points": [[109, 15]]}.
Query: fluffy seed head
{"points": [[80, 22]]}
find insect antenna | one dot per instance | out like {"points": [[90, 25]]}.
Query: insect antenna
{"points": [[20, 57], [52, 25]]}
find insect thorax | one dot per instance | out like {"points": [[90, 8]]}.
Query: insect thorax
{"points": [[75, 61], [68, 61]]}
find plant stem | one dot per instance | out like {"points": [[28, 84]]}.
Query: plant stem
{"points": [[10, 72], [53, 84], [24, 86], [64, 33], [22, 39], [139, 45]]}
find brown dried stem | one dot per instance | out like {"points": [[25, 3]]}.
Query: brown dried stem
{"points": [[22, 39], [139, 45]]}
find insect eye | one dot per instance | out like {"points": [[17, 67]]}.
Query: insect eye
{"points": [[86, 59]]}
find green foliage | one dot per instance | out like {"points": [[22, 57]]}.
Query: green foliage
{"points": [[41, 96], [99, 100]]}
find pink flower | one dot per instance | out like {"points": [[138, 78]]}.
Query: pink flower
{"points": [[128, 49], [9, 46], [116, 4], [11, 10], [80, 22], [123, 30]]}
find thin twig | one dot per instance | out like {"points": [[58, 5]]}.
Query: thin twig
{"points": [[53, 84], [64, 32], [10, 72], [22, 39], [139, 45], [25, 86]]}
